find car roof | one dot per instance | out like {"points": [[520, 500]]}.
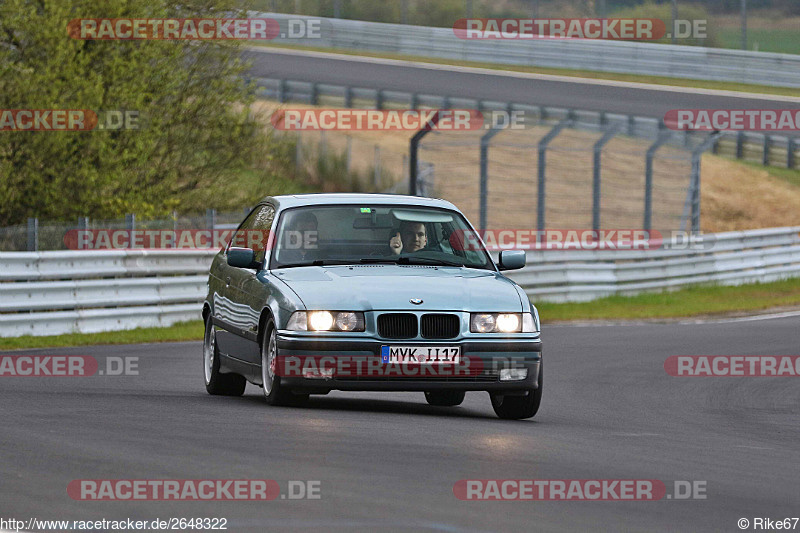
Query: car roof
{"points": [[295, 200]]}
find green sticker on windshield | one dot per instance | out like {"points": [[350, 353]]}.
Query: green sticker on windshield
{"points": [[366, 210]]}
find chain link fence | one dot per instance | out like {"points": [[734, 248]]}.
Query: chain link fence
{"points": [[583, 178]]}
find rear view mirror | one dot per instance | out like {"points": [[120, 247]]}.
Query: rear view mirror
{"points": [[242, 258], [512, 259]]}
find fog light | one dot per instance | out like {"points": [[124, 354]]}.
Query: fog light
{"points": [[513, 374], [322, 373]]}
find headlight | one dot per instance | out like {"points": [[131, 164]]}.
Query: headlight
{"points": [[326, 321], [347, 321], [495, 322], [320, 320]]}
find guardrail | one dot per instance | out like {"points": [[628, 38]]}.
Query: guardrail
{"points": [[50, 293], [692, 62], [730, 258]]}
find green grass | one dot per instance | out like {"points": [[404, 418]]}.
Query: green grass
{"points": [[791, 176], [184, 331], [591, 74], [768, 40], [707, 300]]}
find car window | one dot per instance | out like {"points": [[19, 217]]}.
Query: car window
{"points": [[254, 232], [375, 233]]}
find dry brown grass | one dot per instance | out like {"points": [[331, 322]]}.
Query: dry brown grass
{"points": [[739, 197]]}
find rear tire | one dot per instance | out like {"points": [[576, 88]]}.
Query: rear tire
{"points": [[217, 383], [275, 393], [445, 398], [519, 407]]}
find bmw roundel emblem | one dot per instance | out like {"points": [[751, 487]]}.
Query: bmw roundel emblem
{"points": [[416, 301]]}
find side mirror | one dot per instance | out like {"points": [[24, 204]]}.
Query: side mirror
{"points": [[512, 259], [242, 258]]}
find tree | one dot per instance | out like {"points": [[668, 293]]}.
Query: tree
{"points": [[192, 98]]}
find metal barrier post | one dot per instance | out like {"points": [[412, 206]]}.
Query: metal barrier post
{"points": [[648, 178], [485, 140], [790, 153], [765, 155], [314, 96], [377, 177], [130, 222], [694, 187], [598, 156], [348, 97], [33, 234], [281, 91], [414, 152], [739, 145], [542, 165]]}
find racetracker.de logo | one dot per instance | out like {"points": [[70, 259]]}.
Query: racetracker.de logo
{"points": [[68, 120], [559, 489], [173, 489], [733, 365], [588, 28], [47, 119], [377, 120], [733, 119], [429, 365], [178, 29], [47, 365], [186, 239]]}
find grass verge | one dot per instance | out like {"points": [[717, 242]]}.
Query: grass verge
{"points": [[704, 300], [590, 74], [183, 331], [710, 300]]}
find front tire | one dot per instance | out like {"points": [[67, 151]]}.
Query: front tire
{"points": [[275, 393], [445, 398], [217, 383], [519, 407]]}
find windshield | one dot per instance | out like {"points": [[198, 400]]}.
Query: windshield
{"points": [[354, 234]]}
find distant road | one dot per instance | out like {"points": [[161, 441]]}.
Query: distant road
{"points": [[504, 86]]}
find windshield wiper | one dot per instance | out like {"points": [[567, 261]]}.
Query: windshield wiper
{"points": [[429, 261], [388, 260], [409, 260], [317, 262]]}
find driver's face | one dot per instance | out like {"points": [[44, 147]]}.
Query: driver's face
{"points": [[414, 237]]}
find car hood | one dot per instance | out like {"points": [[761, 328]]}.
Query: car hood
{"points": [[390, 287]]}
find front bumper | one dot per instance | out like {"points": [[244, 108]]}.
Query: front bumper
{"points": [[486, 357]]}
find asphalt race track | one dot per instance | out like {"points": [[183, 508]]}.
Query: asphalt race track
{"points": [[388, 462], [443, 80]]}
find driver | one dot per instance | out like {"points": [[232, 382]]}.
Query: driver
{"points": [[411, 237]]}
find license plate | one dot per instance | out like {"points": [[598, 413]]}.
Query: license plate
{"points": [[421, 354]]}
